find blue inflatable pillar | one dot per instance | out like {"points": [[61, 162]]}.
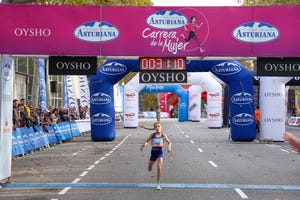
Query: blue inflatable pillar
{"points": [[102, 111], [102, 108]]}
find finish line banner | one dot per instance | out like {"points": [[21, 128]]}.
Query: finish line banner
{"points": [[150, 31]]}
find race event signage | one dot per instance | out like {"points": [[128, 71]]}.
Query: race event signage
{"points": [[278, 67], [233, 31], [64, 65], [163, 70]]}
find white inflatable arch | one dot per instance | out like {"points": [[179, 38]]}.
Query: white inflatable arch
{"points": [[204, 80]]}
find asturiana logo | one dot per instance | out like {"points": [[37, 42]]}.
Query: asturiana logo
{"points": [[96, 31], [226, 68], [101, 119], [167, 19], [255, 32], [113, 68], [242, 119], [100, 98], [242, 98]]}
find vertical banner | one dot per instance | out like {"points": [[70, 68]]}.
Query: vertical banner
{"points": [[71, 93], [66, 99], [84, 91], [43, 98], [6, 98]]}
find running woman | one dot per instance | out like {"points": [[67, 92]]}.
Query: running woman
{"points": [[157, 140], [191, 28]]}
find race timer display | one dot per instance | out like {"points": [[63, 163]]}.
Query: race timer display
{"points": [[162, 63]]}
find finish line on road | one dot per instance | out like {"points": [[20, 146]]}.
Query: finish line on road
{"points": [[147, 185]]}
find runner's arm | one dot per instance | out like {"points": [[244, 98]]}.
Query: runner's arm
{"points": [[146, 142], [142, 126], [166, 138]]}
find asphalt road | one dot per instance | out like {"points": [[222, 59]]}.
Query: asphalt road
{"points": [[204, 164]]}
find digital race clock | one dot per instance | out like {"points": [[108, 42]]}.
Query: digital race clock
{"points": [[162, 63]]}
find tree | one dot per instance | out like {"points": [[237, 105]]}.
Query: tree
{"points": [[270, 2], [84, 2]]}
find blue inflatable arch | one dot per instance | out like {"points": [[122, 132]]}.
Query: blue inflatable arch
{"points": [[183, 97], [237, 77]]}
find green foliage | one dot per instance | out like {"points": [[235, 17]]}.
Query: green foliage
{"points": [[97, 2], [148, 101], [271, 2]]}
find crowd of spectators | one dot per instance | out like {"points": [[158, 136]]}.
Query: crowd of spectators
{"points": [[25, 115]]}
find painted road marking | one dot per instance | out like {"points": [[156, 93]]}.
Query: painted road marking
{"points": [[192, 141], [241, 193], [212, 163], [64, 191], [76, 180], [284, 150], [200, 150], [84, 173], [91, 167], [102, 158], [148, 185]]}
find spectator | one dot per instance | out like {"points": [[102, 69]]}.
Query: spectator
{"points": [[24, 119], [16, 120], [55, 117], [26, 108]]}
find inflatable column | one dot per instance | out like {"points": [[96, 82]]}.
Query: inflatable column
{"points": [[194, 103], [214, 97], [272, 107], [102, 98], [6, 90], [131, 102]]}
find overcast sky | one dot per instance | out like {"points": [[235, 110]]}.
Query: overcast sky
{"points": [[196, 2]]}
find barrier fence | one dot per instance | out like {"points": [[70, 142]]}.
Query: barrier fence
{"points": [[26, 139]]}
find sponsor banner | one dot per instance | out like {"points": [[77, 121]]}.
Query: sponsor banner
{"points": [[163, 77], [294, 121], [131, 110], [278, 67], [113, 69], [6, 99], [66, 65], [71, 94], [84, 91], [26, 139], [214, 99], [157, 31], [66, 96], [42, 76]]}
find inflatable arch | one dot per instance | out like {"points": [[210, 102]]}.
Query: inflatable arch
{"points": [[186, 108], [131, 90], [238, 79], [205, 81]]}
